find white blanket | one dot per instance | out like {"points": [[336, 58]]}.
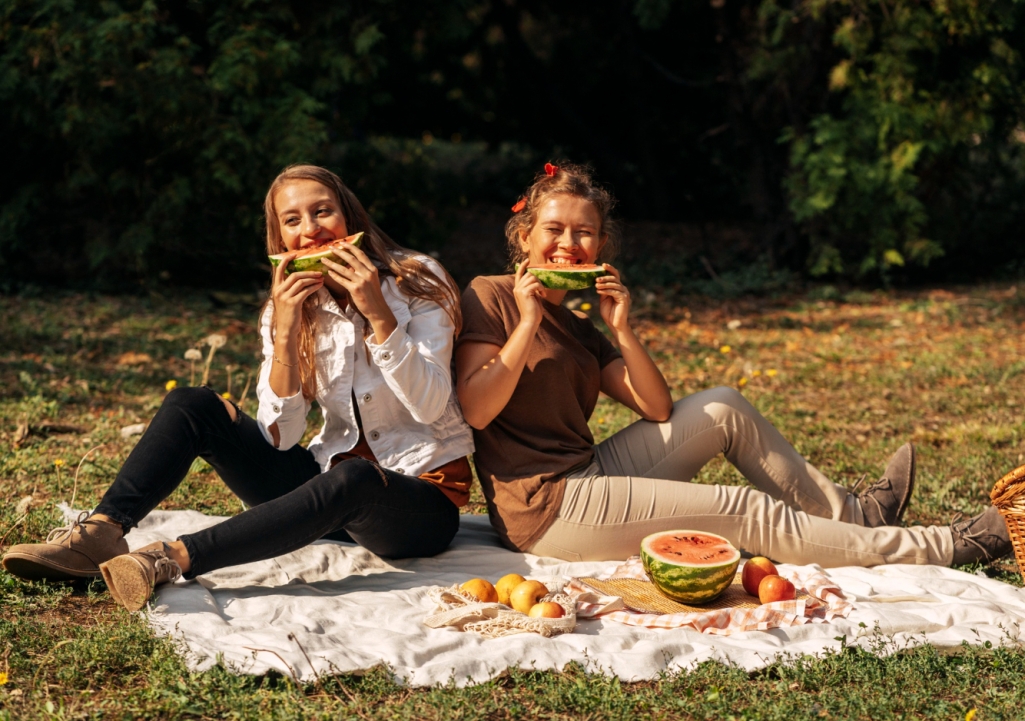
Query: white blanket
{"points": [[337, 608]]}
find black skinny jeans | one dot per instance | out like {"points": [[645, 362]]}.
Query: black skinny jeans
{"points": [[292, 502]]}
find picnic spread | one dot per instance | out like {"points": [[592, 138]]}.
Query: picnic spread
{"points": [[337, 608]]}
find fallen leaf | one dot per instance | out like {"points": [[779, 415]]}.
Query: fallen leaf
{"points": [[131, 358]]}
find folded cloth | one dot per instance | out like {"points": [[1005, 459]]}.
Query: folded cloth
{"points": [[823, 601], [337, 608]]}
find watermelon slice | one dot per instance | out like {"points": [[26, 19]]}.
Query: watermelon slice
{"points": [[309, 258], [562, 276], [689, 566]]}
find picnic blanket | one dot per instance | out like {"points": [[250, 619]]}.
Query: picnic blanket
{"points": [[337, 608]]}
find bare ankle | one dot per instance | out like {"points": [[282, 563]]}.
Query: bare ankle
{"points": [[180, 555]]}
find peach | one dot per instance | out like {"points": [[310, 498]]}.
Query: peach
{"points": [[547, 609], [776, 588], [526, 594], [480, 589], [754, 571], [506, 584]]}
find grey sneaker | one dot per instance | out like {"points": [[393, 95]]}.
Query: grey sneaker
{"points": [[132, 577], [981, 538], [74, 551], [885, 501]]}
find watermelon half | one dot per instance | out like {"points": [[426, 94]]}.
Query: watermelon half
{"points": [[689, 566], [563, 276], [309, 258]]}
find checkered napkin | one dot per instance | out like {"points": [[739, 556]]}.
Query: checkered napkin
{"points": [[824, 601]]}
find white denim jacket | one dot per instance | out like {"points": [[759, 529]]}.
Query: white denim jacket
{"points": [[403, 386]]}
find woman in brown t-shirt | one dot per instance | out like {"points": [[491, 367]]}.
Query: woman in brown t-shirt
{"points": [[529, 372]]}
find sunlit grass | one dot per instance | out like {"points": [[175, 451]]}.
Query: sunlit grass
{"points": [[847, 381]]}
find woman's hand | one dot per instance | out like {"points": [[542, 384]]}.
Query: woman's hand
{"points": [[528, 292], [288, 293], [614, 303], [363, 284]]}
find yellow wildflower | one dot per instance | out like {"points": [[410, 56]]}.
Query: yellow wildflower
{"points": [[771, 373], [170, 385], [585, 306], [725, 349], [742, 382], [970, 715], [755, 373], [59, 462], [226, 396], [3, 678]]}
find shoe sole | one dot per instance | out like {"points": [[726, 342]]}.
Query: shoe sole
{"points": [[127, 581], [31, 568]]}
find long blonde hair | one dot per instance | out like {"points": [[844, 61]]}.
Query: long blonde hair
{"points": [[415, 278]]}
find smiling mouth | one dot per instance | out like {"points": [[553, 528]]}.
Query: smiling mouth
{"points": [[565, 261]]}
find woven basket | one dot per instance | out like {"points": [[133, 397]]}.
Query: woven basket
{"points": [[1008, 495]]}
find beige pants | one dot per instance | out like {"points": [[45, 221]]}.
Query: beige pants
{"points": [[637, 485]]}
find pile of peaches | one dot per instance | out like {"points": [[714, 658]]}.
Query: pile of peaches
{"points": [[516, 591], [760, 578]]}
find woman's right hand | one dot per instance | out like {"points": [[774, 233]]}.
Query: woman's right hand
{"points": [[288, 293], [528, 292]]}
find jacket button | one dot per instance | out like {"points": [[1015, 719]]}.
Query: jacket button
{"points": [[386, 355], [367, 397], [276, 409], [374, 435], [400, 470]]}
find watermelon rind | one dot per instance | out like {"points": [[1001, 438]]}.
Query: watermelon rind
{"points": [[572, 278], [311, 261], [690, 583]]}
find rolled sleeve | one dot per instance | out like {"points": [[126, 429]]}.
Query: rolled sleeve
{"points": [[288, 413]]}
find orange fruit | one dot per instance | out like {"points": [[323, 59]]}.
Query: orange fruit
{"points": [[754, 571], [776, 588], [506, 584], [547, 609], [480, 589], [526, 594]]}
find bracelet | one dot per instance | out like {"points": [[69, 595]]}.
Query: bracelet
{"points": [[281, 362]]}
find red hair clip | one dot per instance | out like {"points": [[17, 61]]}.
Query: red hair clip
{"points": [[520, 205], [551, 170]]}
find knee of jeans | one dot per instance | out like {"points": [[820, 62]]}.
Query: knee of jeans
{"points": [[199, 399], [344, 478]]}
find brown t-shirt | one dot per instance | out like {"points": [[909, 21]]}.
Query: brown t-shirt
{"points": [[524, 454]]}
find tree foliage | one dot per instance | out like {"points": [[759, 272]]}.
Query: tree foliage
{"points": [[863, 138]]}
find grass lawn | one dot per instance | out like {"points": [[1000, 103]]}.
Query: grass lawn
{"points": [[848, 380]]}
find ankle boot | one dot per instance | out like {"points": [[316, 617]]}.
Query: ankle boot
{"points": [[885, 501], [70, 552], [981, 538]]}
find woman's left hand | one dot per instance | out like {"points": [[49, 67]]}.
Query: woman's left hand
{"points": [[614, 302], [363, 284]]}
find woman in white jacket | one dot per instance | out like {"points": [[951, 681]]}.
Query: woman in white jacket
{"points": [[371, 341]]}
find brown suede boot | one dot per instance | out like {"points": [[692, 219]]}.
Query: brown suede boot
{"points": [[885, 501], [74, 551], [980, 538], [132, 577]]}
